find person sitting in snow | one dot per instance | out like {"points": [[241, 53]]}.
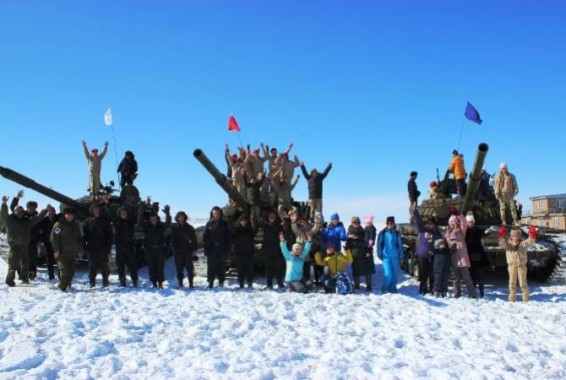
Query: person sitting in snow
{"points": [[295, 260], [336, 265], [516, 253]]}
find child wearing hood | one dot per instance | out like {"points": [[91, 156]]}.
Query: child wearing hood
{"points": [[516, 253], [456, 238]]}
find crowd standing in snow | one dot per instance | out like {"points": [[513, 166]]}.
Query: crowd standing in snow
{"points": [[301, 250]]}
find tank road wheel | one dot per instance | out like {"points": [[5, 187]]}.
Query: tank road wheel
{"points": [[544, 273]]}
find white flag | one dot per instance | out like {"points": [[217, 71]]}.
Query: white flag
{"points": [[108, 118]]}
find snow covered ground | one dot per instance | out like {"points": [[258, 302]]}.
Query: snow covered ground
{"points": [[174, 333]]}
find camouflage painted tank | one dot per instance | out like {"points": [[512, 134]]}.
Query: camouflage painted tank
{"points": [[544, 256]]}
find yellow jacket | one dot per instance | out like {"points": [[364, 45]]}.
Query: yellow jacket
{"points": [[335, 263]]}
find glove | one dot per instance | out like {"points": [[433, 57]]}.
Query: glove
{"points": [[532, 232], [502, 231], [453, 210]]}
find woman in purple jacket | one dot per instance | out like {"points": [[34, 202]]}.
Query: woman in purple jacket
{"points": [[428, 233]]}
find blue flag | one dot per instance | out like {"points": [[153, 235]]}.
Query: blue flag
{"points": [[472, 114]]}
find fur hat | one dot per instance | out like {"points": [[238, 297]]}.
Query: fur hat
{"points": [[390, 219], [369, 218], [515, 231], [470, 217], [69, 210], [502, 165], [453, 219], [438, 243], [335, 216]]}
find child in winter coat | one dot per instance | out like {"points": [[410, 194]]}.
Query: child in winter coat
{"points": [[456, 238], [295, 261], [441, 267], [336, 264], [516, 252]]}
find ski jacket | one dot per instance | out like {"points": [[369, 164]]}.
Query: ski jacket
{"points": [[516, 255], [457, 237], [335, 262], [457, 167], [389, 245], [295, 264], [334, 235], [425, 242]]}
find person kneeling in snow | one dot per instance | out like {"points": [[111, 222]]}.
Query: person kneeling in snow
{"points": [[336, 280], [295, 261], [516, 252]]}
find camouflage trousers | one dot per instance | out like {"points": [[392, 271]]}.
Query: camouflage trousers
{"points": [[66, 271], [314, 206], [507, 201], [518, 272], [18, 260]]}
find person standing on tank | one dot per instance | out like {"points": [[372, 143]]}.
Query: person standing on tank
{"points": [[94, 161]]}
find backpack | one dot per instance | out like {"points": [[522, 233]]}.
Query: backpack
{"points": [[344, 284]]}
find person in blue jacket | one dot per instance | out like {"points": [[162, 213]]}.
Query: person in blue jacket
{"points": [[390, 252], [295, 260], [335, 233]]}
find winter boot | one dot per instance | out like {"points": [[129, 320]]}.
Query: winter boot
{"points": [[191, 284], [123, 282], [154, 284], [160, 284], [105, 282], [135, 283], [180, 283], [92, 283], [512, 297], [481, 291]]}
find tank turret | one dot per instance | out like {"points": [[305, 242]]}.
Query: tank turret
{"points": [[543, 259]]}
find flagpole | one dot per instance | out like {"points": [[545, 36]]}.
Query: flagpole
{"points": [[461, 133], [115, 151]]}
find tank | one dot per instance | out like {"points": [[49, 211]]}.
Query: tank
{"points": [[241, 206], [544, 257], [129, 197]]}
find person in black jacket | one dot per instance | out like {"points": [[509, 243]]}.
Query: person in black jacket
{"points": [[45, 227], [98, 238], [155, 243], [414, 193], [128, 169], [274, 260], [476, 252], [243, 239], [184, 241], [124, 226], [216, 240], [315, 180]]}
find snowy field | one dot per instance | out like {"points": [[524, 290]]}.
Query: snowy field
{"points": [[174, 333]]}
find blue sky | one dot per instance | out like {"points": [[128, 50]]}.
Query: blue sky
{"points": [[376, 87]]}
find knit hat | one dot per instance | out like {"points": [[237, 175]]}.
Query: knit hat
{"points": [[369, 218], [453, 219], [390, 219], [438, 243], [454, 152], [502, 165], [334, 216], [433, 184], [470, 218], [355, 219], [297, 246]]}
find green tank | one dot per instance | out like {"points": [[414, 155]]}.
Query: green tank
{"points": [[544, 257], [128, 198]]}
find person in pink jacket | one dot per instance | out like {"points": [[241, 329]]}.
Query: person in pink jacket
{"points": [[460, 261]]}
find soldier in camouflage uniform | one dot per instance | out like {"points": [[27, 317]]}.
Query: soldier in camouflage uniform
{"points": [[18, 229], [67, 241], [94, 167], [506, 189], [98, 237]]}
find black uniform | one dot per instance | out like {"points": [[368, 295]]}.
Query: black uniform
{"points": [[125, 248], [184, 241], [216, 245], [45, 227], [243, 240], [98, 237], [155, 245], [478, 257], [274, 260]]}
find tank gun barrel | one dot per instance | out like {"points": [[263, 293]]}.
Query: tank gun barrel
{"points": [[221, 179], [474, 178], [21, 179]]}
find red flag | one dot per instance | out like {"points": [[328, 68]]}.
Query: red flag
{"points": [[233, 124]]}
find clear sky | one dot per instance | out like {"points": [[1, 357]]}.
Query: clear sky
{"points": [[376, 87]]}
